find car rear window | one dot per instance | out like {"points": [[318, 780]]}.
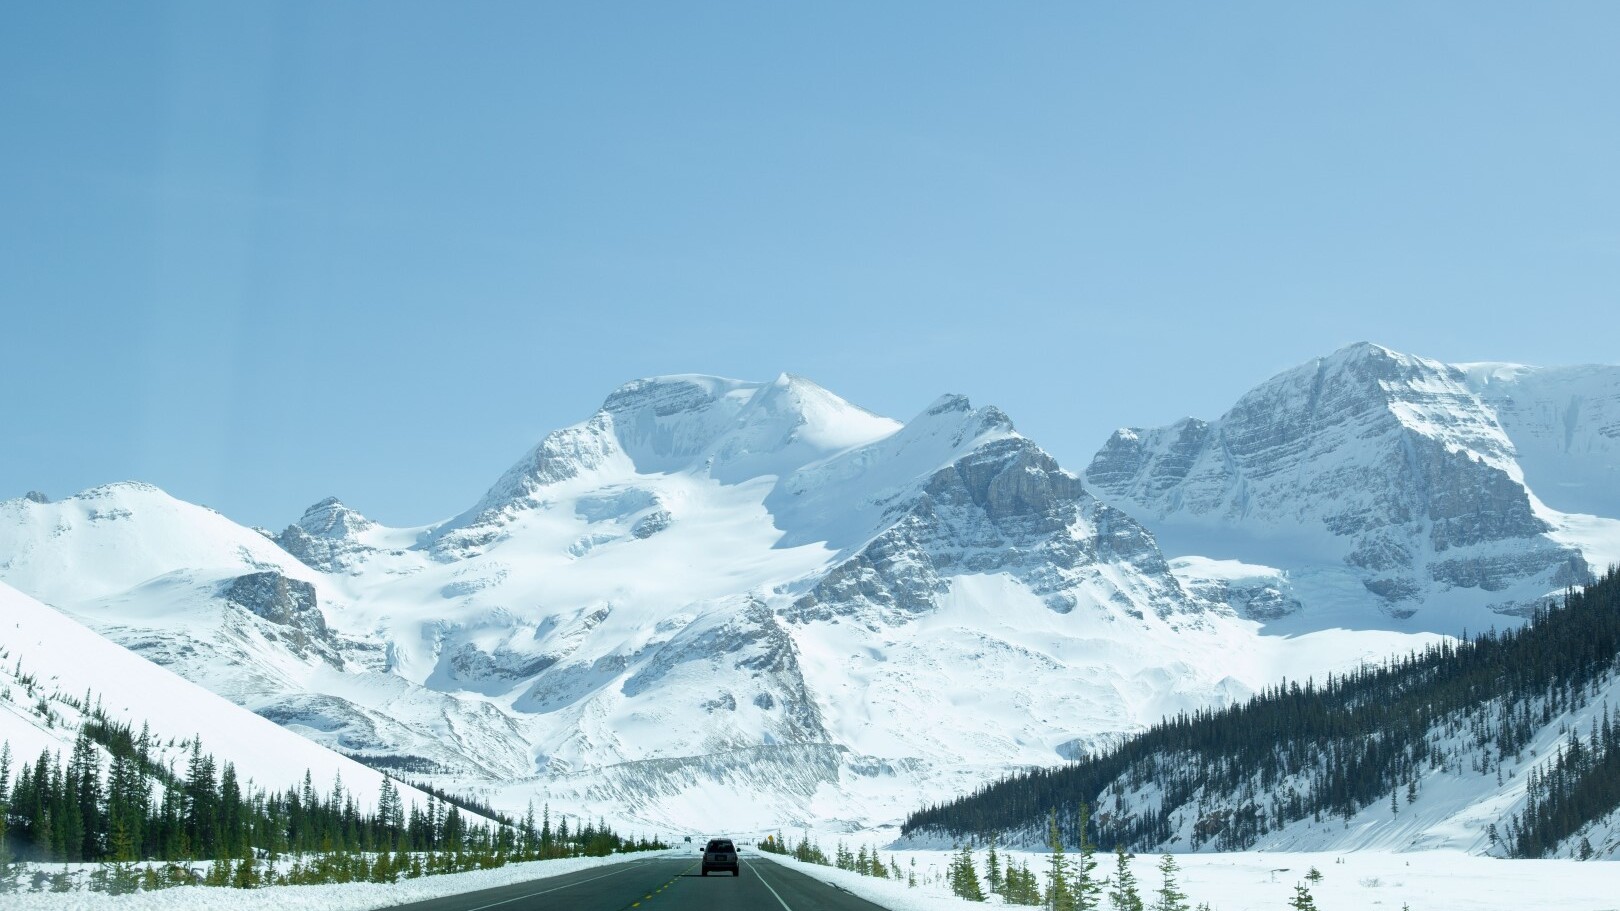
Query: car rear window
{"points": [[718, 845]]}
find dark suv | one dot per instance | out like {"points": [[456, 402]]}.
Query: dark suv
{"points": [[720, 854]]}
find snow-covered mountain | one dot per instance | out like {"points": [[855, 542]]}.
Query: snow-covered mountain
{"points": [[49, 664], [709, 586], [1382, 487]]}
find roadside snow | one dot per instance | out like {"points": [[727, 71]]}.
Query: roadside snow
{"points": [[1265, 880], [337, 897], [896, 896]]}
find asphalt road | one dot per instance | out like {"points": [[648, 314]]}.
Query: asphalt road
{"points": [[662, 883]]}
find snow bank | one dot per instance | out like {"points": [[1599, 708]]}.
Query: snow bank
{"points": [[337, 897], [1265, 880]]}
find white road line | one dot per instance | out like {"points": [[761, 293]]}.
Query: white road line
{"points": [[582, 882], [768, 886]]}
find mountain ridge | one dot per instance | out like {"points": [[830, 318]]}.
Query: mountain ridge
{"points": [[1366, 468], [708, 568]]}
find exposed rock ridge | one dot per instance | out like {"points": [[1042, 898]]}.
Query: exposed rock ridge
{"points": [[1393, 458], [327, 536], [1005, 506]]}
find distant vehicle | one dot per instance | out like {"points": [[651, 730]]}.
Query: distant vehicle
{"points": [[720, 854]]}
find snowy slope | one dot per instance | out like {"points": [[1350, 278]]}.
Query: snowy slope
{"points": [[1565, 426], [64, 659], [228, 609], [1387, 488], [1456, 802]]}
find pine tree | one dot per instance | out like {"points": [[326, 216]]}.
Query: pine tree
{"points": [[1087, 887], [123, 880], [5, 811], [1124, 895], [1059, 895], [1171, 898], [246, 875], [1028, 890], [964, 878], [992, 872], [1302, 900]]}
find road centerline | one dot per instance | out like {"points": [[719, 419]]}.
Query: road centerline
{"points": [[648, 897]]}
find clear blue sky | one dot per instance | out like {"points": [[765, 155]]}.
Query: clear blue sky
{"points": [[258, 254]]}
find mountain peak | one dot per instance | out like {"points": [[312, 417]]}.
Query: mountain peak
{"points": [[726, 428], [1363, 349], [672, 393], [1374, 361], [958, 411], [331, 519], [1402, 477]]}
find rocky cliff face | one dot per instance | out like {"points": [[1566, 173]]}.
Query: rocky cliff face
{"points": [[327, 537], [288, 604], [1387, 467], [1001, 506]]}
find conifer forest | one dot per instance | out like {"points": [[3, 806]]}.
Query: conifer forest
{"points": [[1328, 749]]}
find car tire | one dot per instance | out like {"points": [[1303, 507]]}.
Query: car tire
{"points": [[736, 872]]}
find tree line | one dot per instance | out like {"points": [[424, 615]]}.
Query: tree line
{"points": [[110, 800], [1308, 750]]}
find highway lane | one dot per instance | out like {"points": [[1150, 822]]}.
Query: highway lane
{"points": [[663, 883]]}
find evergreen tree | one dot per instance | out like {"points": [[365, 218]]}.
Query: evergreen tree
{"points": [[1087, 889], [1022, 886], [1171, 898], [1124, 896], [992, 872], [246, 875], [5, 811], [1302, 900], [964, 878], [1059, 893]]}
